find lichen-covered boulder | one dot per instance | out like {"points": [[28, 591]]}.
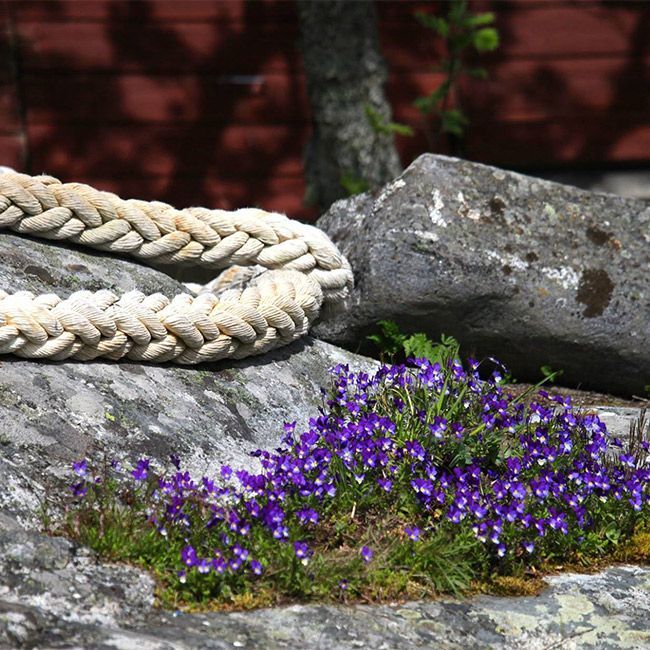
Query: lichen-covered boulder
{"points": [[523, 269], [53, 413], [56, 594]]}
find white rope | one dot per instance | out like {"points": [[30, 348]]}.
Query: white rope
{"points": [[303, 270]]}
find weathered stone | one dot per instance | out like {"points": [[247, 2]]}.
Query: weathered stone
{"points": [[52, 413], [526, 270], [55, 594]]}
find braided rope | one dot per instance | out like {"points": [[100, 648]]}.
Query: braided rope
{"points": [[303, 270]]}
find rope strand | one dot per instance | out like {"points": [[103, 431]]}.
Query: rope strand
{"points": [[303, 270]]}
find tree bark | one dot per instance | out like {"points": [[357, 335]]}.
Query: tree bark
{"points": [[345, 75]]}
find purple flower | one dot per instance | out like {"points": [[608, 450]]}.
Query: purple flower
{"points": [[302, 551], [438, 427], [413, 533], [188, 556], [366, 554], [141, 470], [422, 486], [256, 567], [415, 449], [203, 565], [79, 489], [307, 516], [626, 459], [80, 467], [385, 484]]}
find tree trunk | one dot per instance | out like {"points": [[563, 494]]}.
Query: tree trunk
{"points": [[345, 75]]}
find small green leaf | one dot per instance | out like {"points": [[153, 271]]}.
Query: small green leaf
{"points": [[486, 39], [454, 122], [419, 345], [379, 125], [390, 340], [353, 184], [430, 103], [438, 25], [457, 14], [477, 73], [550, 374], [400, 129], [479, 20]]}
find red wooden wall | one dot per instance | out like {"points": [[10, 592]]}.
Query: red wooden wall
{"points": [[203, 102]]}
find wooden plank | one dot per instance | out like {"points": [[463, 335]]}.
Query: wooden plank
{"points": [[402, 11], [144, 47], [6, 56], [241, 10], [164, 99], [220, 11], [546, 30], [275, 193], [11, 151], [230, 151], [536, 90], [10, 122], [598, 140], [520, 90], [577, 29]]}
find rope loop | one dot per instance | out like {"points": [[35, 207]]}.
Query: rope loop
{"points": [[295, 270]]}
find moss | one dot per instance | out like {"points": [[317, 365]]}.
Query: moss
{"points": [[7, 397], [513, 586], [636, 550], [196, 377]]}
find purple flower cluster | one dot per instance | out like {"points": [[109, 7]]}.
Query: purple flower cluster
{"points": [[450, 448]]}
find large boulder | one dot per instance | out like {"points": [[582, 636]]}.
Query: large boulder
{"points": [[529, 271], [53, 413], [56, 594]]}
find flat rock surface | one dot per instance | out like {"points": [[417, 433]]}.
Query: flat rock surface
{"points": [[526, 270], [55, 594]]}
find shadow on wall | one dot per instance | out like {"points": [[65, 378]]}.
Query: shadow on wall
{"points": [[559, 94], [592, 105], [184, 103]]}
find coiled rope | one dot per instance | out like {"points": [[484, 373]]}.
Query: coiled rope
{"points": [[302, 271]]}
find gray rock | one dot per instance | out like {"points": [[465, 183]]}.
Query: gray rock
{"points": [[68, 601], [53, 413], [526, 270], [56, 594], [51, 267]]}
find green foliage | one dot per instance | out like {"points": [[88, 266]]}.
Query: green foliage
{"points": [[381, 126], [453, 121], [420, 480], [354, 184], [550, 374], [393, 342], [486, 40], [461, 31]]}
